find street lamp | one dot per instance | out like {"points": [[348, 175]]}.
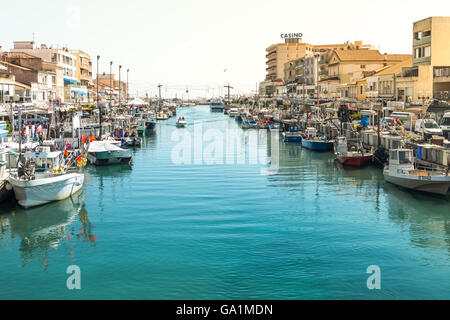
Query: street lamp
{"points": [[98, 106], [120, 68], [128, 70], [110, 83]]}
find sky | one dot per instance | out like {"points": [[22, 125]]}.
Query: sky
{"points": [[202, 45]]}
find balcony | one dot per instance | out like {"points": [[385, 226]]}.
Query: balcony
{"points": [[424, 40], [423, 60], [441, 74]]}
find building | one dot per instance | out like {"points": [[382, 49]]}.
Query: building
{"points": [[83, 71], [304, 75], [57, 60]]}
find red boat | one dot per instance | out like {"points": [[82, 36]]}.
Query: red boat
{"points": [[356, 160], [354, 157]]}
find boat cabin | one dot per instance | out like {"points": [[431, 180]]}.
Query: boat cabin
{"points": [[401, 159], [44, 159], [311, 132]]}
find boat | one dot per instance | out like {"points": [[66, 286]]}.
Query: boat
{"points": [[402, 171], [264, 124], [275, 127], [313, 142], [44, 176], [105, 153], [293, 135], [233, 112], [141, 126], [162, 116], [352, 156], [5, 188], [150, 123], [249, 124], [216, 108], [181, 123]]}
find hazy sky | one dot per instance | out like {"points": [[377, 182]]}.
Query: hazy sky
{"points": [[200, 44]]}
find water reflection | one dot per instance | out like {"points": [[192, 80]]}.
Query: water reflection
{"points": [[45, 228], [426, 217]]}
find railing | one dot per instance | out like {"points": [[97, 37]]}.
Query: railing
{"points": [[424, 40], [441, 72]]}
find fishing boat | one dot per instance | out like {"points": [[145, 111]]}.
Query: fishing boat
{"points": [[275, 127], [402, 171], [233, 112], [181, 123], [313, 142], [353, 156], [141, 126], [5, 188], [104, 153], [293, 135], [150, 123], [162, 116], [264, 124], [249, 124], [216, 108], [44, 176]]}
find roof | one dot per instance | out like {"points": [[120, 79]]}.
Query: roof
{"points": [[368, 55], [395, 68], [14, 66]]}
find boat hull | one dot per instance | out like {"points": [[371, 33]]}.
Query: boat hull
{"points": [[356, 161], [317, 145], [440, 187], [6, 192], [104, 158], [291, 137], [216, 108], [41, 191]]}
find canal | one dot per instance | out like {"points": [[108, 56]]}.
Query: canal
{"points": [[195, 217]]}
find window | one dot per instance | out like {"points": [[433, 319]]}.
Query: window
{"points": [[361, 89], [427, 51], [363, 66]]}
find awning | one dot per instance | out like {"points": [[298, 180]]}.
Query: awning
{"points": [[70, 81], [3, 133]]}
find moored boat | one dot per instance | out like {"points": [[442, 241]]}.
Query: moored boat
{"points": [[293, 135], [313, 142], [104, 153], [402, 172], [354, 157], [43, 177]]}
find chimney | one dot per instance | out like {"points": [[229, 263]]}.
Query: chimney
{"points": [[43, 46], [385, 57]]}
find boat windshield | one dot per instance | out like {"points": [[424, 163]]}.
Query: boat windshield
{"points": [[405, 157]]}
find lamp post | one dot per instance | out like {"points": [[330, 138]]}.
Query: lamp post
{"points": [[120, 68], [110, 83], [128, 70], [99, 107]]}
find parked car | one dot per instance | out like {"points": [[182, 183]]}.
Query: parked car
{"points": [[429, 127], [445, 125]]}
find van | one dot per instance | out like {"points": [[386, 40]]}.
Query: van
{"points": [[408, 119], [445, 125], [429, 127]]}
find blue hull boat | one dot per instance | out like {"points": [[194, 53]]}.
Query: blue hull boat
{"points": [[317, 145], [292, 137]]}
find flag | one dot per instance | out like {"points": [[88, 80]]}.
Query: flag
{"points": [[66, 153], [83, 139], [92, 138]]}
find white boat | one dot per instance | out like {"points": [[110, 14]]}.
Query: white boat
{"points": [[162, 116], [233, 112], [5, 188], [105, 153], [45, 180], [181, 123], [402, 172]]}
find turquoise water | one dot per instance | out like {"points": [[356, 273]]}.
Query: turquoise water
{"points": [[161, 229]]}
